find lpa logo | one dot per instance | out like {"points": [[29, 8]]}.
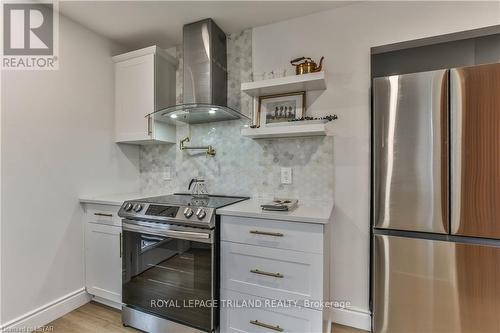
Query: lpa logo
{"points": [[30, 35]]}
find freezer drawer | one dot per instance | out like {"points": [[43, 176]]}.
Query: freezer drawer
{"points": [[475, 151], [410, 145], [431, 286]]}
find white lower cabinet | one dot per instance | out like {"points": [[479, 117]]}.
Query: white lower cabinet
{"points": [[272, 276], [103, 264]]}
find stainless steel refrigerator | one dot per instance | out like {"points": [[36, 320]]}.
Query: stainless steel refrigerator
{"points": [[436, 201]]}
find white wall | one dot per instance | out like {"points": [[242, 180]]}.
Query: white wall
{"points": [[57, 144], [344, 36]]}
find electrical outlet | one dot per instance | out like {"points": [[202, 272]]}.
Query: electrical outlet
{"points": [[167, 174], [286, 175]]}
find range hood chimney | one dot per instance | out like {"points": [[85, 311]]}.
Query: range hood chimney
{"points": [[204, 77], [205, 63]]}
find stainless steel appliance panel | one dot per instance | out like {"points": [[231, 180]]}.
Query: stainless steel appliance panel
{"points": [[475, 151], [170, 274], [411, 152], [205, 64], [428, 286], [152, 324]]}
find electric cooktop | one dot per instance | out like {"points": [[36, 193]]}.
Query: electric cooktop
{"points": [[178, 208]]}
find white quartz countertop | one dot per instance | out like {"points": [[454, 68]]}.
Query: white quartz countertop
{"points": [[309, 212], [115, 199]]}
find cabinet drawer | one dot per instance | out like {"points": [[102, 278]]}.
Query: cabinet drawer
{"points": [[305, 237], [266, 319], [273, 273], [102, 214]]}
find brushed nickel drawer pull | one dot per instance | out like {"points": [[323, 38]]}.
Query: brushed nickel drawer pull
{"points": [[103, 214], [256, 271], [271, 327], [150, 127], [257, 232], [121, 245]]}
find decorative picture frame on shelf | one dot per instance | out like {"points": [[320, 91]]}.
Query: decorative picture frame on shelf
{"points": [[280, 108]]}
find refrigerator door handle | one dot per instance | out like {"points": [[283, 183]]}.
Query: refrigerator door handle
{"points": [[456, 114]]}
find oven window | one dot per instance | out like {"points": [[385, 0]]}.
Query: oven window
{"points": [[168, 277]]}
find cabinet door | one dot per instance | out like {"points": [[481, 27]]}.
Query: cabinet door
{"points": [[134, 98], [103, 263]]}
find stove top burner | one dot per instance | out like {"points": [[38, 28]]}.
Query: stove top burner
{"points": [[178, 208]]}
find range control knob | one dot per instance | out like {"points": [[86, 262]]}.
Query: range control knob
{"points": [[137, 208], [128, 206], [200, 213], [188, 212]]}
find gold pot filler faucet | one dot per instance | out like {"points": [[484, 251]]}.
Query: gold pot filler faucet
{"points": [[210, 149]]}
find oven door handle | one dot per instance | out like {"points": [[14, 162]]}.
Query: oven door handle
{"points": [[187, 235]]}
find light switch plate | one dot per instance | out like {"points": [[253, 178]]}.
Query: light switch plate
{"points": [[286, 176]]}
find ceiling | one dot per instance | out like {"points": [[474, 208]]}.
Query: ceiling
{"points": [[137, 24]]}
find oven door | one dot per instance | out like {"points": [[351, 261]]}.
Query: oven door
{"points": [[168, 271]]}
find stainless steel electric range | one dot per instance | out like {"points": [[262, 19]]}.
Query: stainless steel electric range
{"points": [[170, 262]]}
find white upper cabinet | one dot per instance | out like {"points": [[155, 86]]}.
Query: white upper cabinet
{"points": [[144, 83]]}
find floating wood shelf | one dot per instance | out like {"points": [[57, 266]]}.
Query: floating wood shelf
{"points": [[285, 131], [304, 82]]}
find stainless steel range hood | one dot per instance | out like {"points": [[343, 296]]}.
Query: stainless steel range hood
{"points": [[205, 77]]}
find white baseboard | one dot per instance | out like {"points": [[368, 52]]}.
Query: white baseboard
{"points": [[48, 312], [107, 302], [352, 317]]}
